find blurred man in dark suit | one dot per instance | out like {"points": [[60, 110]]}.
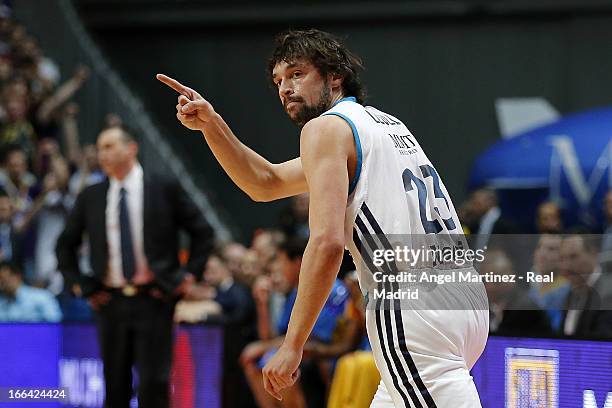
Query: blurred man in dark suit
{"points": [[132, 221], [588, 310], [606, 240], [511, 311]]}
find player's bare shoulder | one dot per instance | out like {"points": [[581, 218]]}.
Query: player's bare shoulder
{"points": [[327, 132]]}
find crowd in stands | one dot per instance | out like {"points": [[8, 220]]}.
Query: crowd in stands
{"points": [[251, 289], [43, 167]]}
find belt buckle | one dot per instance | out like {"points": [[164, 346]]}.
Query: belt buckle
{"points": [[129, 290]]}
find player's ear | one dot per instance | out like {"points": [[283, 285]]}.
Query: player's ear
{"points": [[335, 80]]}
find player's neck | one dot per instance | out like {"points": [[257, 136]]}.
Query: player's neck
{"points": [[336, 98]]}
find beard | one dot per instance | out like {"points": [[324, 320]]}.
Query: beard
{"points": [[308, 112]]}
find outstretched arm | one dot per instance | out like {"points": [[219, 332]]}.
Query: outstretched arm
{"points": [[326, 145], [253, 174]]}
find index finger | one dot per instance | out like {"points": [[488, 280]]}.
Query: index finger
{"points": [[174, 84]]}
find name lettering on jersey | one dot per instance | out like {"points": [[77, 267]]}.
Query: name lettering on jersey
{"points": [[383, 118], [404, 143]]}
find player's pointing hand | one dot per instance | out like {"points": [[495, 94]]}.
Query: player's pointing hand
{"points": [[192, 110]]}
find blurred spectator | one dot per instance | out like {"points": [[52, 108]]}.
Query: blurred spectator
{"points": [[16, 127], [48, 114], [70, 134], [550, 296], [589, 302], [88, 172], [606, 244], [269, 293], [235, 299], [250, 268], [45, 75], [548, 218], [47, 150], [466, 216], [355, 378], [223, 299], [294, 219], [486, 217], [512, 312], [85, 160], [112, 120], [17, 181], [235, 310], [10, 239], [6, 71], [256, 354], [22, 303], [265, 244], [356, 308], [50, 211], [234, 254]]}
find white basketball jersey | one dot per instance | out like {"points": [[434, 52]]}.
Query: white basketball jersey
{"points": [[396, 190]]}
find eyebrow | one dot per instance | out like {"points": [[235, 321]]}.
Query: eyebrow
{"points": [[289, 66]]}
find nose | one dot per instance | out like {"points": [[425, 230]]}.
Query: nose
{"points": [[284, 89]]}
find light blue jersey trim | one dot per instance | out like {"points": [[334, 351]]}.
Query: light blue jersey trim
{"points": [[348, 98], [357, 143]]}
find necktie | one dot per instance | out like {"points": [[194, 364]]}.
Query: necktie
{"points": [[127, 248]]}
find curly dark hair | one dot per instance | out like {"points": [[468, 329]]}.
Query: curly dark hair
{"points": [[326, 52]]}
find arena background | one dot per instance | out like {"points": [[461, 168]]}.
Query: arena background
{"points": [[439, 65]]}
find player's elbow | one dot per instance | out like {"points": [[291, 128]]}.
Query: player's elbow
{"points": [[329, 248], [261, 196], [266, 191]]}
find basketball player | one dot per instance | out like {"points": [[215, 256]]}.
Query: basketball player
{"points": [[366, 175]]}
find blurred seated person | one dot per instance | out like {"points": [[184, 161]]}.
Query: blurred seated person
{"points": [[294, 219], [219, 298], [606, 244], [250, 268], [224, 300], [355, 381], [486, 217], [350, 334], [588, 310], [256, 354], [512, 311], [265, 244], [355, 311], [550, 296], [234, 253], [22, 303], [548, 218]]}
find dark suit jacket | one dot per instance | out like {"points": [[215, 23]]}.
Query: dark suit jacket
{"points": [[523, 317], [595, 321], [166, 210], [237, 304]]}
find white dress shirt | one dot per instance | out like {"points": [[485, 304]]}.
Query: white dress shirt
{"points": [[134, 185]]}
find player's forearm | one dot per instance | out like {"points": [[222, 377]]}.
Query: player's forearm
{"points": [[251, 172], [320, 266]]}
